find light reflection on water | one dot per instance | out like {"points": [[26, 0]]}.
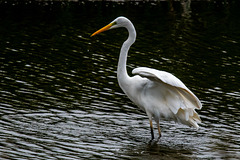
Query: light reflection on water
{"points": [[60, 97]]}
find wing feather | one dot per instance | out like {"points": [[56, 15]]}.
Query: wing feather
{"points": [[167, 97], [188, 98]]}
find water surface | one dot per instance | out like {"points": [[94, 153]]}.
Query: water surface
{"points": [[59, 94]]}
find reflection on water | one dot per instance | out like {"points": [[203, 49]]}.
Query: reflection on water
{"points": [[59, 93]]}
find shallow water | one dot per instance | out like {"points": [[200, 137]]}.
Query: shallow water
{"points": [[59, 94]]}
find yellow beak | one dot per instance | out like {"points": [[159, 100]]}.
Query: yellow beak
{"points": [[103, 29]]}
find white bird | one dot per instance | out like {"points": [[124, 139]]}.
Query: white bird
{"points": [[160, 94]]}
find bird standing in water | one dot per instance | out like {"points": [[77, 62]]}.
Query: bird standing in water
{"points": [[160, 94]]}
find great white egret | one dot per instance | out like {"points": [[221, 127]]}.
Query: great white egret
{"points": [[160, 94]]}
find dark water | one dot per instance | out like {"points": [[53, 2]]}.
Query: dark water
{"points": [[59, 94]]}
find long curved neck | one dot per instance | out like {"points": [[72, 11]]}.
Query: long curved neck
{"points": [[122, 74]]}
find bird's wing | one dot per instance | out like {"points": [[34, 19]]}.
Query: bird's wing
{"points": [[169, 79]]}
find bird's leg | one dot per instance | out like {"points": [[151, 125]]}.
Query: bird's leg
{"points": [[159, 130], [151, 127]]}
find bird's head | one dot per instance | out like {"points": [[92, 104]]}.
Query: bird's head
{"points": [[118, 22]]}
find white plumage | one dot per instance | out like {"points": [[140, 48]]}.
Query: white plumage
{"points": [[167, 92], [160, 94]]}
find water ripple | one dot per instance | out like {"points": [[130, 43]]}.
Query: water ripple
{"points": [[60, 97]]}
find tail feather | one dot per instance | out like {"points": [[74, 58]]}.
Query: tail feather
{"points": [[188, 117]]}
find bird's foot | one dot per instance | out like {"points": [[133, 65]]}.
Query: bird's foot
{"points": [[153, 141], [159, 137]]}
